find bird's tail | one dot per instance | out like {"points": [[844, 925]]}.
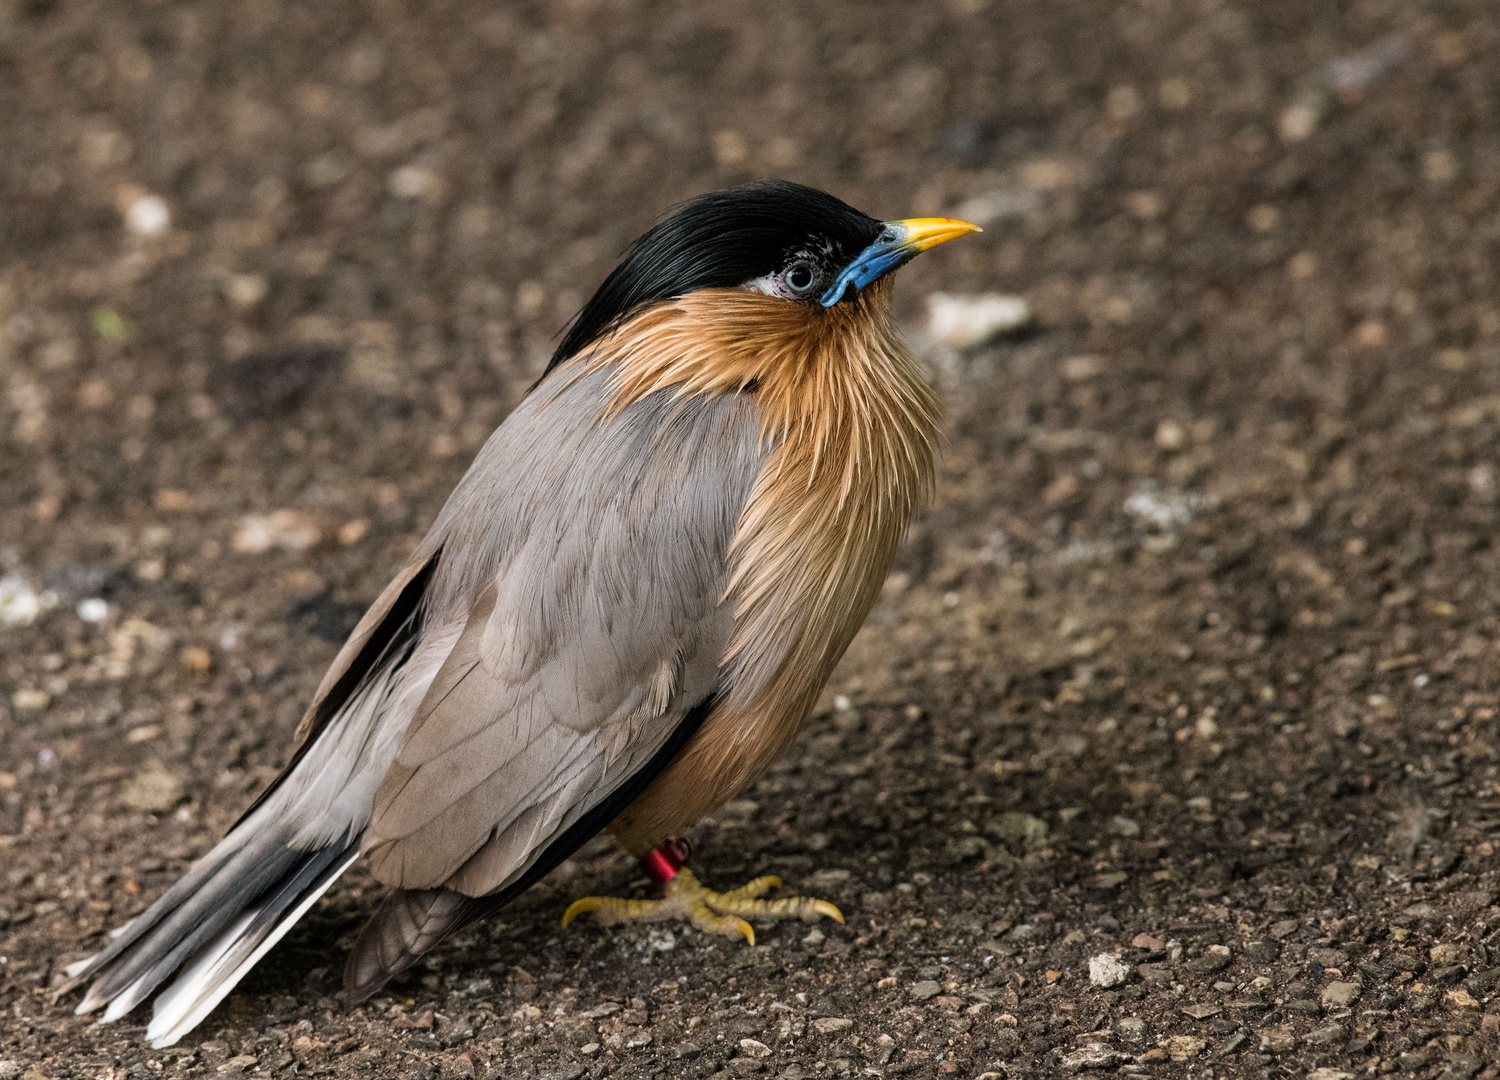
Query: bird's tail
{"points": [[210, 928]]}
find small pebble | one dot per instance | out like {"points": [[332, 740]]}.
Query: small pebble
{"points": [[1182, 1047], [414, 182], [195, 660], [148, 216], [1340, 994], [966, 321], [925, 989], [1326, 1036], [1078, 368], [1106, 970], [1093, 1056], [30, 700], [1170, 435], [289, 530], [246, 290], [19, 603], [1132, 1027], [153, 790]]}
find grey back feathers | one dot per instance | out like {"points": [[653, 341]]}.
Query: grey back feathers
{"points": [[572, 621]]}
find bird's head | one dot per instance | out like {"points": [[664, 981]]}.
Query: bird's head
{"points": [[795, 243]]}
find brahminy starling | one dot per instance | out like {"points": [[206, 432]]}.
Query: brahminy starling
{"points": [[619, 619]]}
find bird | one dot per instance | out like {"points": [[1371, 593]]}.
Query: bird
{"points": [[618, 620]]}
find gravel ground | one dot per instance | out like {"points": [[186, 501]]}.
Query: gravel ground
{"points": [[1186, 681]]}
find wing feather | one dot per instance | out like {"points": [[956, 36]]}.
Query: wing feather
{"points": [[597, 630]]}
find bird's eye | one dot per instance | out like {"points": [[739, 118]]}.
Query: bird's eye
{"points": [[800, 277]]}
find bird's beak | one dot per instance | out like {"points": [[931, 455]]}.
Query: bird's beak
{"points": [[898, 242]]}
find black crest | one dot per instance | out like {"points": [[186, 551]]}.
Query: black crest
{"points": [[721, 240]]}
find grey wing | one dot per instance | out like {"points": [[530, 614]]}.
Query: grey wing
{"points": [[596, 565]]}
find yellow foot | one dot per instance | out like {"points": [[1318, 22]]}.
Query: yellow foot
{"points": [[718, 913]]}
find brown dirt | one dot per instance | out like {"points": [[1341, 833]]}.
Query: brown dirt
{"points": [[1193, 661]]}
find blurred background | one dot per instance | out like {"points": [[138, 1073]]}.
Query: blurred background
{"points": [[1191, 662]]}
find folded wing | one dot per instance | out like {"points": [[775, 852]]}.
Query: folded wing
{"points": [[594, 636]]}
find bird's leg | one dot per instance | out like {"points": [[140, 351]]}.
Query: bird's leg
{"points": [[685, 897]]}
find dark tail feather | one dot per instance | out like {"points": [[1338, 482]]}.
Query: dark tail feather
{"points": [[216, 968], [193, 909], [225, 908], [408, 924]]}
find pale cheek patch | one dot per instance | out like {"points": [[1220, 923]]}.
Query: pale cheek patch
{"points": [[766, 286]]}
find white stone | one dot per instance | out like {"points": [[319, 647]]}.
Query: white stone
{"points": [[414, 182], [1166, 509], [1106, 970], [289, 530], [965, 321], [93, 609], [19, 603], [148, 216], [246, 290], [754, 1048], [1093, 1056]]}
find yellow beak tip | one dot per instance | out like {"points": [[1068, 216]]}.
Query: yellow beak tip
{"points": [[924, 233]]}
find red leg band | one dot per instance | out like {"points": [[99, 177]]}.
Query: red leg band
{"points": [[662, 862]]}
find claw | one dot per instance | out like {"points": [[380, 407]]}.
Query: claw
{"points": [[581, 906], [716, 913], [610, 909]]}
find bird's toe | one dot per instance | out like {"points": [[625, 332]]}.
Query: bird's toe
{"points": [[725, 914]]}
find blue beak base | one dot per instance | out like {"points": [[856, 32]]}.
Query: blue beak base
{"points": [[887, 252], [899, 242]]}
